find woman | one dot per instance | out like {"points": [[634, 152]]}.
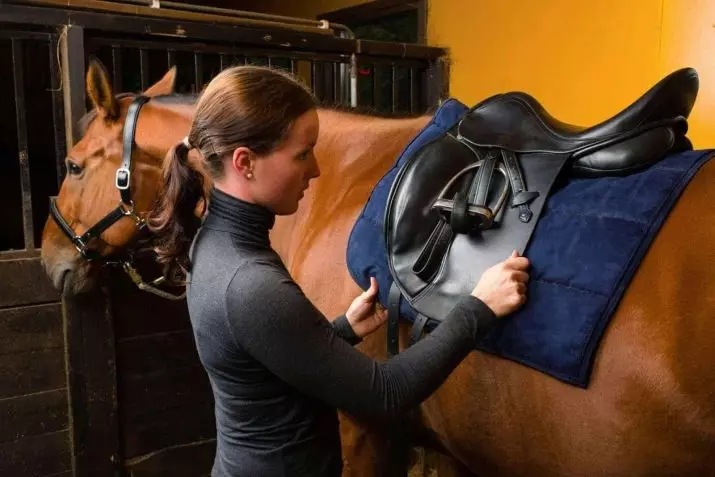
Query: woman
{"points": [[277, 367]]}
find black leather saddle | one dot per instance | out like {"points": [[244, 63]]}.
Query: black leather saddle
{"points": [[464, 201]]}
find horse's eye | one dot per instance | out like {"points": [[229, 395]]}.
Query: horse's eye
{"points": [[73, 169]]}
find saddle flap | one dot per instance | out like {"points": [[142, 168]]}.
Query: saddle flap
{"points": [[411, 221]]}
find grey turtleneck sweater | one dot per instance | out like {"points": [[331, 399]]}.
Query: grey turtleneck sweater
{"points": [[279, 369]]}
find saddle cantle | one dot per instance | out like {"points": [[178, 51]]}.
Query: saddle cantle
{"points": [[464, 201]]}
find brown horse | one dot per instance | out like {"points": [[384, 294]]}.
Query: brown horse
{"points": [[650, 408]]}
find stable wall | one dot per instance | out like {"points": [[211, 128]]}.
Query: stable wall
{"points": [[583, 60]]}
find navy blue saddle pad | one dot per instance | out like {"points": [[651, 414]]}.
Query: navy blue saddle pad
{"points": [[584, 251]]}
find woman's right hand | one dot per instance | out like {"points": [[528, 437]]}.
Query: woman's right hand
{"points": [[503, 287]]}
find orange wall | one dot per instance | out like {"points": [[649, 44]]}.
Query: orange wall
{"points": [[583, 60]]}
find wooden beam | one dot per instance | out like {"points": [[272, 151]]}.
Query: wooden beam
{"points": [[72, 54], [92, 380]]}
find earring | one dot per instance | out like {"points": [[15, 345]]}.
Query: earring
{"points": [[249, 175]]}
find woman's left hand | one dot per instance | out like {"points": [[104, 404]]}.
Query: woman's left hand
{"points": [[365, 314]]}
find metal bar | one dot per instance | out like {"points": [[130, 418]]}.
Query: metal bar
{"points": [[170, 58], [144, 67], [57, 114], [115, 7], [414, 101], [319, 90], [117, 68], [270, 62], [263, 37], [326, 80], [394, 89], [219, 49], [198, 71], [25, 35], [293, 66], [337, 92], [437, 83], [376, 90], [223, 58], [19, 85], [72, 52]]}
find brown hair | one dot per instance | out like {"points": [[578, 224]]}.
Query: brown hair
{"points": [[243, 106]]}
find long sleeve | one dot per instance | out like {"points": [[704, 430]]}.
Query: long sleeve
{"points": [[342, 327], [274, 321]]}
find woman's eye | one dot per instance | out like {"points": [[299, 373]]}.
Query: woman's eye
{"points": [[73, 169]]}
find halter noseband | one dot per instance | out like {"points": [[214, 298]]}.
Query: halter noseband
{"points": [[125, 208]]}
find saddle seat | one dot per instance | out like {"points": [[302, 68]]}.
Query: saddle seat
{"points": [[518, 122], [463, 201]]}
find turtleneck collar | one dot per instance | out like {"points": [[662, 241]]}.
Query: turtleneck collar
{"points": [[250, 223]]}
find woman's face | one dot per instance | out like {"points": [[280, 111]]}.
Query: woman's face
{"points": [[281, 177]]}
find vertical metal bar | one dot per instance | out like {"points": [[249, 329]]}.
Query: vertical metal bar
{"points": [[437, 83], [270, 62], [144, 67], [223, 58], [117, 68], [170, 58], [18, 82], [198, 71], [72, 52], [293, 66], [317, 80], [394, 89], [414, 101], [327, 83], [376, 90], [337, 92], [57, 117]]}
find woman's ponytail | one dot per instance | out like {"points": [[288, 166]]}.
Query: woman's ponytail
{"points": [[174, 221]]}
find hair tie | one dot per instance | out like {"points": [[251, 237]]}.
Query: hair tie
{"points": [[187, 143]]}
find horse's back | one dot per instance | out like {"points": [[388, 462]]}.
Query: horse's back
{"points": [[650, 407]]}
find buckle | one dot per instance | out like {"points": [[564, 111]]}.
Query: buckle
{"points": [[123, 178]]}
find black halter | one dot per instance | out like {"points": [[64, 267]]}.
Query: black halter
{"points": [[122, 183]]}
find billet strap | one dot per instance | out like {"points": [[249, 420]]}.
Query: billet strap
{"points": [[521, 196], [417, 328], [393, 321]]}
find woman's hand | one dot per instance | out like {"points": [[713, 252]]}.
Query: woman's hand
{"points": [[365, 314], [503, 287]]}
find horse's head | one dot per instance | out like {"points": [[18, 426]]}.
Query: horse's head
{"points": [[91, 192]]}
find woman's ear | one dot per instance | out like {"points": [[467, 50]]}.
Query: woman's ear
{"points": [[242, 162]]}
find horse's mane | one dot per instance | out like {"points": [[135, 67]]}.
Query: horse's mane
{"points": [[174, 98], [190, 98]]}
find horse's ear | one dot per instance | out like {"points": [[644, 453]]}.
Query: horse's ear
{"points": [[163, 86], [99, 90]]}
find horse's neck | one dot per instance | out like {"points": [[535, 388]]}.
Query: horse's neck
{"points": [[353, 152]]}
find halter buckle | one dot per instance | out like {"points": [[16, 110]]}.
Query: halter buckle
{"points": [[123, 178]]}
